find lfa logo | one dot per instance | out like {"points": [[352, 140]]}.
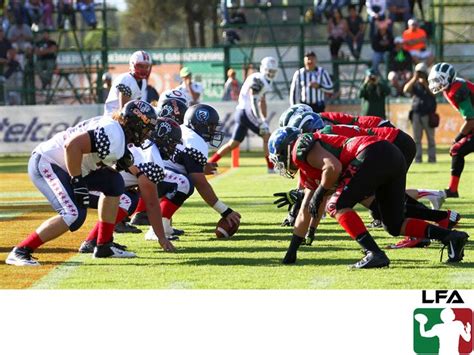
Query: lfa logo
{"points": [[444, 331]]}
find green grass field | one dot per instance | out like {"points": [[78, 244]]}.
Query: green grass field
{"points": [[252, 258]]}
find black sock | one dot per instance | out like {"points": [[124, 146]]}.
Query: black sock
{"points": [[435, 232], [374, 210], [367, 242], [426, 214], [411, 201], [290, 257]]}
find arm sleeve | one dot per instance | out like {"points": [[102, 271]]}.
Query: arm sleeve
{"points": [[193, 160], [326, 83], [293, 89]]}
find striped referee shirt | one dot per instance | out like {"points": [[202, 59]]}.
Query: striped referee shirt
{"points": [[300, 90]]}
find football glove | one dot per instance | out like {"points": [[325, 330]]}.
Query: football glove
{"points": [[264, 128], [81, 192], [287, 198]]}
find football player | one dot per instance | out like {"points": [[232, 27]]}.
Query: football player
{"points": [[251, 111], [131, 85], [77, 160], [460, 94], [355, 167], [199, 130], [146, 173]]}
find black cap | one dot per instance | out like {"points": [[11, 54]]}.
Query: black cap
{"points": [[310, 54]]}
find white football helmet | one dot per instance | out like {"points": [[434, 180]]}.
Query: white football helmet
{"points": [[140, 65], [269, 68], [441, 76], [176, 93]]}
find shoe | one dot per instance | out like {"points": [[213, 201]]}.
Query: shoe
{"points": [[376, 223], [140, 219], [150, 235], [451, 221], [436, 201], [451, 194], [110, 251], [372, 260], [177, 232], [21, 256], [88, 246], [119, 246], [410, 242], [271, 171], [455, 241], [124, 227]]}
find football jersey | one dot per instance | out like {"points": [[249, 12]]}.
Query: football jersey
{"points": [[460, 95], [347, 119], [198, 89], [259, 85], [386, 133], [343, 148], [190, 156], [148, 161], [126, 84], [108, 138]]}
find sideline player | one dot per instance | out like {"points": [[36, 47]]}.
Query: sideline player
{"points": [[251, 111], [460, 94], [80, 158], [356, 167], [131, 85]]}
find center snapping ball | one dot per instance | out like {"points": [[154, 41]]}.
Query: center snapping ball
{"points": [[224, 230]]}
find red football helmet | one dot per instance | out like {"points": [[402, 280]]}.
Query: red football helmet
{"points": [[140, 65]]}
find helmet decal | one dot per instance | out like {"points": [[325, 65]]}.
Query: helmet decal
{"points": [[202, 115]]}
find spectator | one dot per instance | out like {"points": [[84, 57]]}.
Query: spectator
{"points": [[382, 43], [420, 6], [399, 10], [423, 106], [66, 10], [87, 10], [373, 93], [231, 87], [13, 79], [34, 9], [21, 37], [399, 66], [415, 42], [191, 89], [17, 11], [327, 7], [46, 53], [48, 8], [355, 32], [224, 13], [337, 30], [310, 84], [375, 13], [5, 45]]}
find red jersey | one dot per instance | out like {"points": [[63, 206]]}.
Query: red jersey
{"points": [[337, 118], [343, 148], [460, 95], [386, 133]]}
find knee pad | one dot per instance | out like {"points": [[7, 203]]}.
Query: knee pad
{"points": [[114, 185]]}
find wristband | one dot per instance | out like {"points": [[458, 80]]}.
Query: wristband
{"points": [[220, 207], [227, 212]]}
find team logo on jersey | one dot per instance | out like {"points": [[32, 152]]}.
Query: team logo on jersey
{"points": [[202, 115]]}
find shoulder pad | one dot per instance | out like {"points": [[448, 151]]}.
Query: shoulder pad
{"points": [[462, 93], [304, 144], [124, 89], [326, 130]]}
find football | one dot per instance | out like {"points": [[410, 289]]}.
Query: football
{"points": [[224, 230]]}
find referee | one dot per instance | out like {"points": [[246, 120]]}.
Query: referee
{"points": [[310, 83]]}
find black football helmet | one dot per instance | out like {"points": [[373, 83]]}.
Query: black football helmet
{"points": [[172, 108], [166, 135], [140, 119], [204, 120]]}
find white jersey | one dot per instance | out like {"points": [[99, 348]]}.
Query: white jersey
{"points": [[108, 139], [191, 156], [259, 85], [197, 88], [148, 161], [126, 84]]}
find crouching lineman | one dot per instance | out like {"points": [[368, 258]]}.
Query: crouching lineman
{"points": [[146, 172], [199, 130], [356, 167], [251, 111], [460, 94], [77, 160]]}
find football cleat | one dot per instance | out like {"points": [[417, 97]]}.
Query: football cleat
{"points": [[455, 242], [178, 232], [21, 256], [451, 194], [410, 242], [376, 223], [140, 219], [436, 201], [125, 227], [88, 246], [110, 251], [150, 235], [451, 221], [372, 260]]}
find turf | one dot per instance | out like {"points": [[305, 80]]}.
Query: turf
{"points": [[252, 258]]}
